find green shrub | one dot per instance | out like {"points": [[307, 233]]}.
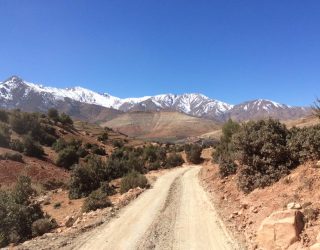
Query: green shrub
{"points": [[107, 189], [59, 145], [81, 152], [304, 143], [65, 119], [95, 149], [263, 153], [174, 160], [4, 116], [67, 157], [225, 149], [227, 167], [118, 143], [42, 226], [96, 200], [17, 213], [4, 135], [103, 137], [194, 154], [17, 145], [12, 156], [133, 180], [23, 123], [32, 148], [53, 114], [86, 177]]}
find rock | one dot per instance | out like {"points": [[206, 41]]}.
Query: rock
{"points": [[318, 164], [280, 229], [315, 247], [69, 220], [294, 205]]}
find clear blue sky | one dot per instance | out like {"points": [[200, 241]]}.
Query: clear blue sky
{"points": [[229, 50]]}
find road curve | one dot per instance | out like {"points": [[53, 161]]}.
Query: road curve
{"points": [[175, 214]]}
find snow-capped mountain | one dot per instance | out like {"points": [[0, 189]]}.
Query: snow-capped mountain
{"points": [[262, 108], [17, 93]]}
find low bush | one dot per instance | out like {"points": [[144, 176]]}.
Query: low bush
{"points": [[59, 145], [42, 226], [32, 148], [96, 200], [174, 160], [65, 120], [227, 167], [118, 143], [12, 156], [17, 145], [4, 135], [193, 154], [103, 137], [95, 149], [86, 177], [67, 157], [133, 180], [17, 213], [304, 143], [4, 116], [107, 189]]}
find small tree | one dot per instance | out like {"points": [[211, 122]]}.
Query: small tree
{"points": [[316, 108], [65, 119], [53, 114], [32, 148], [4, 135]]}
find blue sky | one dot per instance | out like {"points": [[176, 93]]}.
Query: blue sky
{"points": [[229, 50]]}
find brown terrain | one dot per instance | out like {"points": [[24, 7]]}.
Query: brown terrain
{"points": [[161, 125]]}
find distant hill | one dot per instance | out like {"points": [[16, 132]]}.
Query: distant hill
{"points": [[161, 125]]}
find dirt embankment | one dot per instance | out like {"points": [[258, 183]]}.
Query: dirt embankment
{"points": [[244, 213]]}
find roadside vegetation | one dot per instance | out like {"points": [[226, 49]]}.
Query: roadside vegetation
{"points": [[261, 152]]}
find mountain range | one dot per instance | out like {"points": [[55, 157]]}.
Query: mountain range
{"points": [[89, 105]]}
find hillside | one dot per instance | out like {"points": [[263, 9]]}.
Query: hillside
{"points": [[161, 125]]}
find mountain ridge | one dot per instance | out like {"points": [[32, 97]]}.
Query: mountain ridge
{"points": [[15, 91]]}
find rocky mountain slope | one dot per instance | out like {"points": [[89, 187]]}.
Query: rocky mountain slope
{"points": [[17, 93]]}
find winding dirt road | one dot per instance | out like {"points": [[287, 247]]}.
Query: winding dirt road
{"points": [[175, 214]]}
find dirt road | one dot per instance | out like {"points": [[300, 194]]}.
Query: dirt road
{"points": [[175, 214]]}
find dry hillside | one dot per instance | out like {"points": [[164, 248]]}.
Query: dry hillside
{"points": [[161, 125]]}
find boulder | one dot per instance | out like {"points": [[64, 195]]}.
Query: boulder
{"points": [[318, 164], [280, 229]]}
